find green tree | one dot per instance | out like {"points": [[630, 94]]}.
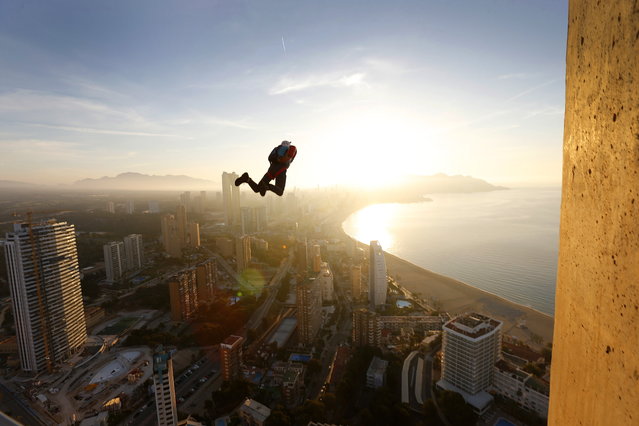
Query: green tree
{"points": [[456, 410]]}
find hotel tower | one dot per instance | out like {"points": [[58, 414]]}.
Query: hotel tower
{"points": [[377, 283]]}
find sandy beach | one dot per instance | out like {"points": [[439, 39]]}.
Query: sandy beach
{"points": [[455, 297]]}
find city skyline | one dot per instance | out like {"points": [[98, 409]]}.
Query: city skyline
{"points": [[201, 88]]}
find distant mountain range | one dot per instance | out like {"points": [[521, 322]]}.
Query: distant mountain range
{"points": [[411, 187], [442, 183], [14, 184], [139, 181]]}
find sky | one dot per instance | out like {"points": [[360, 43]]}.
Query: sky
{"points": [[368, 91]]}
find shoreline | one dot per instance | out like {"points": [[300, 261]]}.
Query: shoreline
{"points": [[529, 325]]}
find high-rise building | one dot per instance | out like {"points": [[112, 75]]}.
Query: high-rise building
{"points": [[471, 345], [242, 252], [197, 205], [110, 207], [246, 220], [366, 328], [261, 218], [181, 221], [316, 255], [134, 252], [377, 281], [231, 199], [183, 293], [356, 282], [309, 311], [44, 280], [325, 279], [301, 254], [185, 200], [205, 277], [164, 387], [129, 207], [178, 233], [170, 238], [231, 357], [114, 260], [193, 237]]}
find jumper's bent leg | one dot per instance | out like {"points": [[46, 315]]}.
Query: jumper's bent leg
{"points": [[280, 184]]}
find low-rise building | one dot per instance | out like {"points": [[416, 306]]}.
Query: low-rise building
{"points": [[417, 323], [252, 413], [523, 388], [376, 373]]}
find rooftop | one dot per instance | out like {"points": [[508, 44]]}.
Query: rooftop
{"points": [[539, 385], [508, 368], [256, 410], [232, 341], [377, 366], [473, 325]]}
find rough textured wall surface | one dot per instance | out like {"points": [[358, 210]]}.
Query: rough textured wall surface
{"points": [[595, 370]]}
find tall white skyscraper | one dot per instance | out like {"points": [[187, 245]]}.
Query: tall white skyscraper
{"points": [[44, 280], [164, 386], [114, 260], [377, 282], [231, 199], [471, 346], [325, 280], [134, 251]]}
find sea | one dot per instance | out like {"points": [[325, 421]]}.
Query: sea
{"points": [[505, 242]]}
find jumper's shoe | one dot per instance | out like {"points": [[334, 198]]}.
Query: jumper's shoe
{"points": [[242, 179]]}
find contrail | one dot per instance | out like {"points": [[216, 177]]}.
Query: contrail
{"points": [[283, 45]]}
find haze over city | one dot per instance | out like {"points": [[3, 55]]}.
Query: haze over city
{"points": [[305, 213], [369, 91]]}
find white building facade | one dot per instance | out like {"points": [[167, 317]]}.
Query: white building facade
{"points": [[134, 252], [114, 260], [164, 387], [523, 388], [377, 281], [325, 280], [471, 346], [44, 280]]}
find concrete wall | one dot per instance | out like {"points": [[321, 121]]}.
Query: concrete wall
{"points": [[595, 371]]}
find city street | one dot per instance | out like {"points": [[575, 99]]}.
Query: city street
{"points": [[192, 388]]}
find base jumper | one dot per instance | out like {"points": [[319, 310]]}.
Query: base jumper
{"points": [[280, 158]]}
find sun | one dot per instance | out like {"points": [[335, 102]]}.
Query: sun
{"points": [[377, 148]]}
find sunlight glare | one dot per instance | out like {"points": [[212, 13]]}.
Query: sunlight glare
{"points": [[373, 223], [379, 148]]}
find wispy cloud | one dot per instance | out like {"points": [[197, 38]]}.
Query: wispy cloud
{"points": [[107, 131], [516, 76], [549, 110], [530, 90], [337, 80], [43, 147]]}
